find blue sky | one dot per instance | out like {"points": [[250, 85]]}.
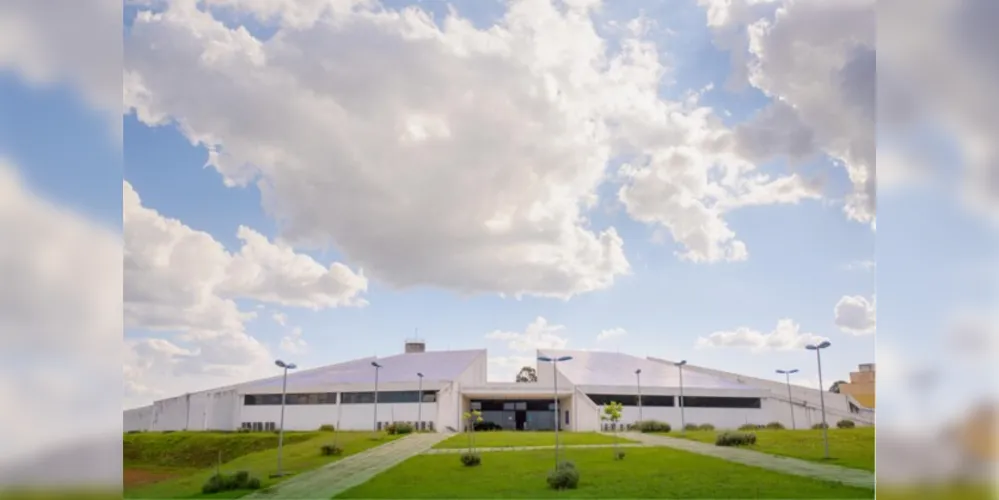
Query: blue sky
{"points": [[797, 268], [803, 257]]}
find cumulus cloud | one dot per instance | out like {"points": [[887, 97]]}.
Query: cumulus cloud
{"points": [[785, 336], [293, 343], [80, 46], [506, 368], [438, 153], [816, 60], [611, 334], [182, 281], [538, 335], [856, 314], [61, 314]]}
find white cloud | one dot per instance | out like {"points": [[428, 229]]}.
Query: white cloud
{"points": [[856, 315], [447, 155], [785, 336], [293, 343], [506, 368], [611, 334], [861, 265], [61, 318], [538, 335], [80, 46], [816, 60], [181, 280], [280, 318]]}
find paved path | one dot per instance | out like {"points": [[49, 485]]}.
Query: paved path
{"points": [[339, 476], [436, 451], [786, 465]]}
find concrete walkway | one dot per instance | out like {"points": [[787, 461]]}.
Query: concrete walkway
{"points": [[336, 477], [786, 465], [437, 451]]}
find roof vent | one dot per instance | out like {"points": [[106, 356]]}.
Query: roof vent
{"points": [[415, 345]]}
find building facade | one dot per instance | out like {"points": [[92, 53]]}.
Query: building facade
{"points": [[861, 385], [433, 389]]}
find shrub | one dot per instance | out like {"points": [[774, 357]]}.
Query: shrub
{"points": [[327, 428], [691, 427], [243, 430], [820, 425], [564, 477], [735, 439], [775, 425], [846, 424], [750, 427], [400, 428], [618, 455], [223, 482], [705, 427], [652, 426], [470, 459], [329, 450], [487, 426]]}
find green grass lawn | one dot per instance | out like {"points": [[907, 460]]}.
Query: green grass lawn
{"points": [[297, 457], [847, 447], [644, 473], [508, 439]]}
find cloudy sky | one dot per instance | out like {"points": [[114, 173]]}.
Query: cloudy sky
{"points": [[315, 180]]}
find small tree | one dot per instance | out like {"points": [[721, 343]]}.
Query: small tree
{"points": [[471, 418], [612, 414], [835, 387], [527, 374]]}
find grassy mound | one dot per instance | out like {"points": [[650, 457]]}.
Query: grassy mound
{"points": [[198, 449]]}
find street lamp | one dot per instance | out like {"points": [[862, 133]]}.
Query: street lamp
{"points": [[822, 390], [790, 403], [284, 390], [375, 417], [683, 423], [419, 402], [554, 362], [638, 378]]}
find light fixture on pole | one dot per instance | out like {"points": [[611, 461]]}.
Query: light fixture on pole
{"points": [[638, 380], [554, 362], [790, 403], [683, 423], [822, 391], [419, 407], [284, 391], [374, 425]]}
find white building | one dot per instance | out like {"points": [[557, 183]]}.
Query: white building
{"points": [[454, 382]]}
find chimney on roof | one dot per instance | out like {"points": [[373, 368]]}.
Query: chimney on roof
{"points": [[415, 345]]}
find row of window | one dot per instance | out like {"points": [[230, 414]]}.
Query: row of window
{"points": [[688, 401], [259, 426], [330, 398], [500, 405]]}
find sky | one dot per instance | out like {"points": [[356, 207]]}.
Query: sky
{"points": [[318, 181]]}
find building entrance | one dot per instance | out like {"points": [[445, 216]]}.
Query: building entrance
{"points": [[529, 415]]}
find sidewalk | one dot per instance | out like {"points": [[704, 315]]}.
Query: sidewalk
{"points": [[329, 481], [786, 465]]}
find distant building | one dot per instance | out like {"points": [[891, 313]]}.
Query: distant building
{"points": [[861, 385], [454, 382]]}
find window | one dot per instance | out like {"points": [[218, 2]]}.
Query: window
{"points": [[318, 398], [391, 397], [355, 398], [270, 426], [649, 400], [720, 402], [567, 417]]}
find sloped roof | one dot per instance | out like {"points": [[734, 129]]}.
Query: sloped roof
{"points": [[435, 365], [617, 369]]}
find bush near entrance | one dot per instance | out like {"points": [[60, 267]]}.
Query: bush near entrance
{"points": [[652, 426], [564, 477], [732, 438], [846, 424]]}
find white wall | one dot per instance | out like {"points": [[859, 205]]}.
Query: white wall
{"points": [[137, 419], [353, 417], [448, 408], [586, 414]]}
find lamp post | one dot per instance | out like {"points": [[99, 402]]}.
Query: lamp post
{"points": [[375, 415], [822, 390], [419, 407], [554, 362], [790, 404], [683, 423], [284, 391], [638, 379]]}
